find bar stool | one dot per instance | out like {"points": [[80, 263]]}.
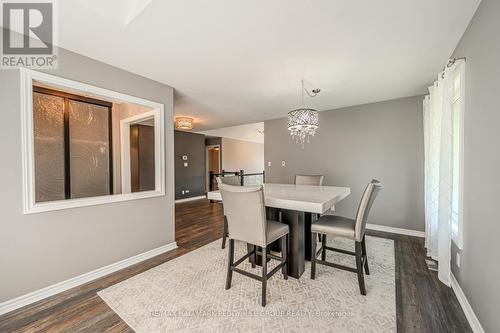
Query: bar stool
{"points": [[245, 212], [348, 228]]}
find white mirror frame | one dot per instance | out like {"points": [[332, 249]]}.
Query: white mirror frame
{"points": [[29, 204]]}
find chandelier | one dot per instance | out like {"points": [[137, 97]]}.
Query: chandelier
{"points": [[303, 122]]}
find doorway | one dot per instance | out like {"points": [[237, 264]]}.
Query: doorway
{"points": [[213, 162], [138, 138], [142, 157]]}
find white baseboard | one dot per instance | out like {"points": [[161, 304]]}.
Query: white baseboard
{"points": [[469, 313], [40, 294], [191, 199], [394, 230]]}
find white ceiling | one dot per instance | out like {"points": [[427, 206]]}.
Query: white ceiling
{"points": [[253, 132], [234, 61]]}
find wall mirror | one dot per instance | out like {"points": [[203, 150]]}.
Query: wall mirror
{"points": [[85, 145]]}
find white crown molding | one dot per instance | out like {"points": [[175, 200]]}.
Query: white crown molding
{"points": [[469, 312], [394, 230], [191, 199], [59, 287]]}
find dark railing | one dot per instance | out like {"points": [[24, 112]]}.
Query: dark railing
{"points": [[245, 178]]}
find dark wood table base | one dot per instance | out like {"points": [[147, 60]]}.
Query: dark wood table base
{"points": [[299, 247]]}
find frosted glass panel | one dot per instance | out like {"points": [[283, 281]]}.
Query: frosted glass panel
{"points": [[48, 122], [89, 149]]}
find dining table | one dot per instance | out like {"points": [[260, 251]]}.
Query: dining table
{"points": [[298, 206]]}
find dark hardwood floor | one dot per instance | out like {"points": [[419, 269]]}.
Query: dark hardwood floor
{"points": [[423, 303]]}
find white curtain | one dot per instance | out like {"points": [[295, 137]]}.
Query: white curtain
{"points": [[438, 143]]}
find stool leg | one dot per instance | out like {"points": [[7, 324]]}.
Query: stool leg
{"points": [[313, 255], [230, 262], [363, 247], [323, 244], [224, 233], [264, 275], [254, 256], [359, 268], [284, 253]]}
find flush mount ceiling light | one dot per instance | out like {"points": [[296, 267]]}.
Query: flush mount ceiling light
{"points": [[184, 123], [303, 122]]}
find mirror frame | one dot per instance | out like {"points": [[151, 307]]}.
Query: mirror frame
{"points": [[28, 78]]}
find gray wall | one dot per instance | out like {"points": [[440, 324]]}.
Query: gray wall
{"points": [[479, 271], [213, 141], [242, 155], [192, 177], [355, 144], [38, 250]]}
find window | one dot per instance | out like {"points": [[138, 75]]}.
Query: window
{"points": [[85, 145], [458, 143]]}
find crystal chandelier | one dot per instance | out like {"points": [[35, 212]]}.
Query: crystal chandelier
{"points": [[303, 122]]}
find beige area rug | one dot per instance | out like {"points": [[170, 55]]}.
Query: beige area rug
{"points": [[187, 295]]}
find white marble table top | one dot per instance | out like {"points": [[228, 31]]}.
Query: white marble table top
{"points": [[304, 198]]}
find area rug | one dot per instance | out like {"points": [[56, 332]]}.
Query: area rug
{"points": [[187, 295]]}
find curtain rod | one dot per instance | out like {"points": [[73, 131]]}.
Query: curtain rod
{"points": [[451, 62]]}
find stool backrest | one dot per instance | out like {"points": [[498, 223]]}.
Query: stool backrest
{"points": [[245, 210], [309, 180], [371, 192]]}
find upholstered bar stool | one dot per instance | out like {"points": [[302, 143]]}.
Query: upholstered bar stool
{"points": [[229, 180], [309, 180], [246, 217], [338, 226]]}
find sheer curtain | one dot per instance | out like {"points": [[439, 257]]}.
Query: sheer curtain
{"points": [[438, 143]]}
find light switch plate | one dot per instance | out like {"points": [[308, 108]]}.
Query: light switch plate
{"points": [[185, 164], [269, 163], [283, 163]]}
